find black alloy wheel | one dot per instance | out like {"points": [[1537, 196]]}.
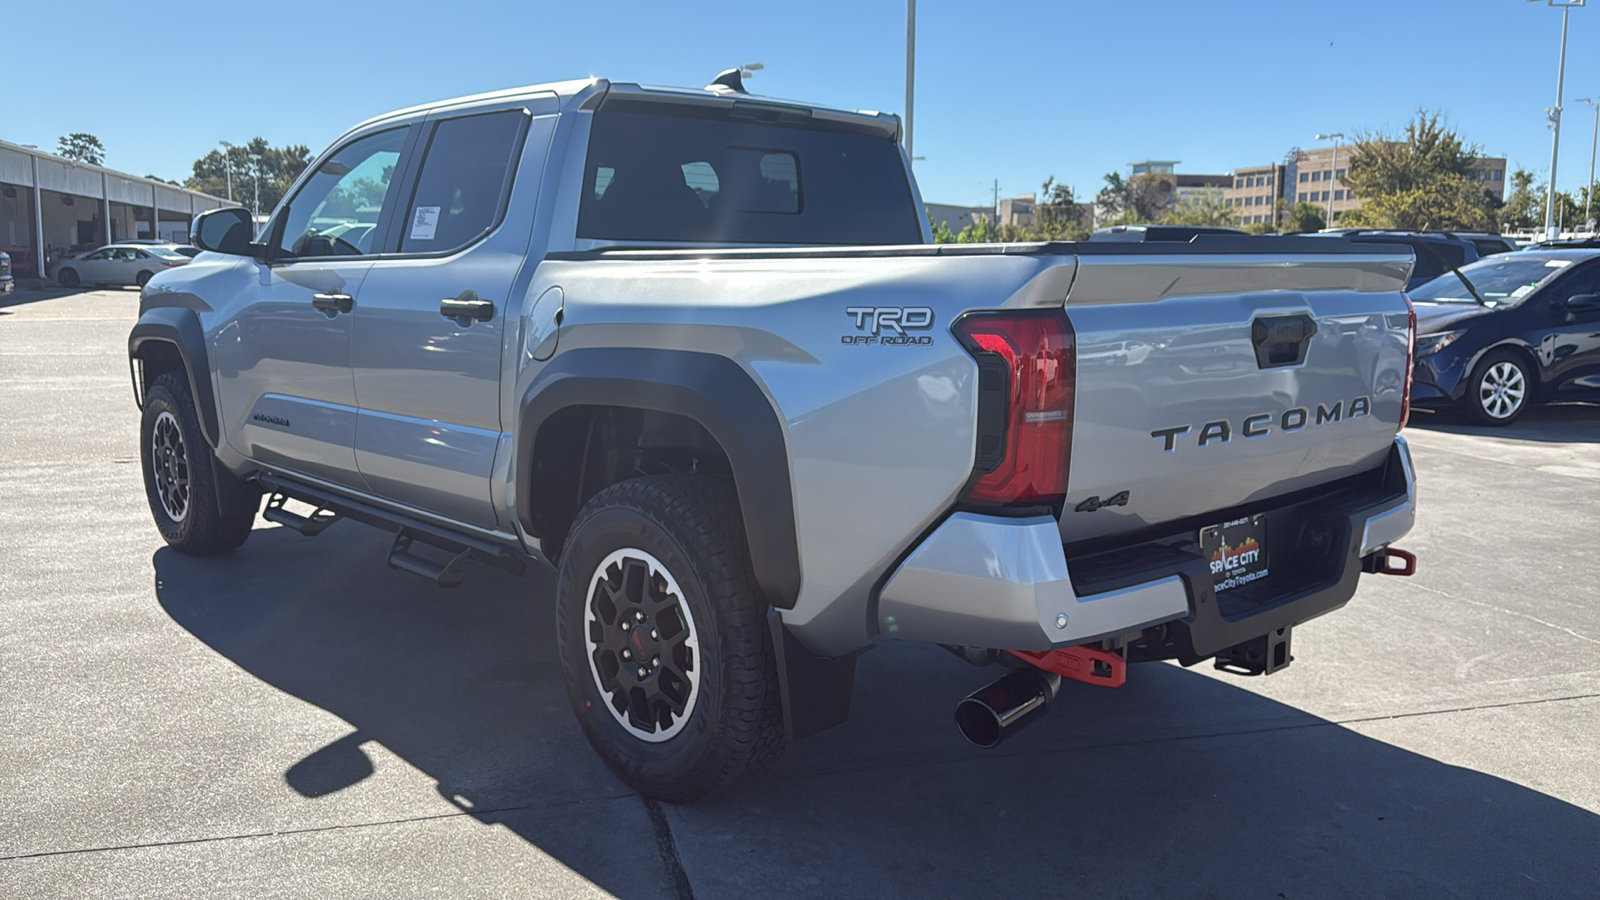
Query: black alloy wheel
{"points": [[664, 638]]}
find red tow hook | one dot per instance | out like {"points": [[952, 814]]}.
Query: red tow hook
{"points": [[1085, 664], [1383, 562]]}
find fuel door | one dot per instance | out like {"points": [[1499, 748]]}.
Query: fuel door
{"points": [[544, 325]]}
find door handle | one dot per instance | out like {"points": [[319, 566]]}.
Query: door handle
{"points": [[466, 306], [339, 303]]}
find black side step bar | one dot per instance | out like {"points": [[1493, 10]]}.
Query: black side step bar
{"points": [[310, 526], [467, 555]]}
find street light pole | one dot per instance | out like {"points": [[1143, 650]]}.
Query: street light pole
{"points": [[1336, 137], [256, 183], [1594, 143], [1551, 230], [911, 68]]}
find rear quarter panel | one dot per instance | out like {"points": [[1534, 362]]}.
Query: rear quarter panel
{"points": [[880, 437]]}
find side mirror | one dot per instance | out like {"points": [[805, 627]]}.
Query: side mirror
{"points": [[227, 230], [1583, 303]]}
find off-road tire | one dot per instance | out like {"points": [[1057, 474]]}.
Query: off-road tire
{"points": [[218, 509], [68, 278], [734, 726], [1481, 404]]}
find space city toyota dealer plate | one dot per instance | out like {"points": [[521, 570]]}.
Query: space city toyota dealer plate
{"points": [[1237, 551]]}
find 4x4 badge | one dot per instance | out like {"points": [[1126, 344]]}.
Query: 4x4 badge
{"points": [[1093, 503]]}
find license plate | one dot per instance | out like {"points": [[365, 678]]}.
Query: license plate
{"points": [[1237, 551]]}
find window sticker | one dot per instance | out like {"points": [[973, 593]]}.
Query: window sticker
{"points": [[1524, 290], [424, 222]]}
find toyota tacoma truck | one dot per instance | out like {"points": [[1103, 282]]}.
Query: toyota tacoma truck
{"points": [[695, 349]]}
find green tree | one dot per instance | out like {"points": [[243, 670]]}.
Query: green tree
{"points": [[1200, 211], [1301, 217], [1139, 200], [941, 231], [275, 168], [1525, 207], [1423, 178], [1261, 228], [979, 232], [82, 147], [1057, 217]]}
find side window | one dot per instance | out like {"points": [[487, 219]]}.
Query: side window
{"points": [[98, 254], [140, 254], [337, 210], [465, 178]]}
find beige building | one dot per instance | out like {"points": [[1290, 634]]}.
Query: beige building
{"points": [[1017, 210], [1254, 191], [1315, 176]]}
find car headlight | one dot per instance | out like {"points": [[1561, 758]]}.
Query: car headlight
{"points": [[1429, 344]]}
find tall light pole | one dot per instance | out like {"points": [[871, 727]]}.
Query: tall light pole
{"points": [[1551, 231], [1336, 137], [1594, 143], [256, 183], [911, 68]]}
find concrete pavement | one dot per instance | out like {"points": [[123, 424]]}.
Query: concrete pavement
{"points": [[297, 720]]}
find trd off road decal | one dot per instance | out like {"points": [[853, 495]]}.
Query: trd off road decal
{"points": [[888, 326]]}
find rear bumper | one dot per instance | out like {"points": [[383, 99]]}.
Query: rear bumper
{"points": [[985, 581]]}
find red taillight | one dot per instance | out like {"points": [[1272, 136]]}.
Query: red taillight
{"points": [[1411, 358], [1025, 382]]}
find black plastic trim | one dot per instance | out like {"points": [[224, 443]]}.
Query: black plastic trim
{"points": [[711, 390], [180, 327]]}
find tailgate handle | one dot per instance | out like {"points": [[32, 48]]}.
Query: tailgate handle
{"points": [[1282, 340]]}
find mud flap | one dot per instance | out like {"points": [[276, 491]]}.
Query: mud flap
{"points": [[815, 689]]}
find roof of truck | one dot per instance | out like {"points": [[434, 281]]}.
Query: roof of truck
{"points": [[588, 93]]}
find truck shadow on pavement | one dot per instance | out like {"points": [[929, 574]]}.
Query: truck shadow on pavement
{"points": [[1176, 785]]}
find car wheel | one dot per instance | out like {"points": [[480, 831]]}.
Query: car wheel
{"points": [[68, 277], [143, 278], [199, 509], [664, 643], [1499, 390]]}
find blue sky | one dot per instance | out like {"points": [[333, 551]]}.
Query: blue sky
{"points": [[1014, 91]]}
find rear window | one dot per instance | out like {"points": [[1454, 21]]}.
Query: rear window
{"points": [[166, 253], [709, 178]]}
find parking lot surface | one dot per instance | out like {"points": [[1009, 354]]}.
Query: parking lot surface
{"points": [[296, 720]]}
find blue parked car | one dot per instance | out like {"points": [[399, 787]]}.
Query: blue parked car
{"points": [[1510, 331]]}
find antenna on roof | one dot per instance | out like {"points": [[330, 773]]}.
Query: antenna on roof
{"points": [[728, 80]]}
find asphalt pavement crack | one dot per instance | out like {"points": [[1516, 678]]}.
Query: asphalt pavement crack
{"points": [[668, 848], [290, 832], [1509, 612]]}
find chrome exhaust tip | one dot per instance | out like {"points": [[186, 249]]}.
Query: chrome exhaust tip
{"points": [[993, 713]]}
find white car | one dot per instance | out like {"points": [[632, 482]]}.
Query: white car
{"points": [[118, 264]]}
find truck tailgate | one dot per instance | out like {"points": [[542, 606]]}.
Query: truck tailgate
{"points": [[1205, 384]]}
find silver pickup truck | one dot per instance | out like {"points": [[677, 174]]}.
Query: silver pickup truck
{"points": [[693, 348]]}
